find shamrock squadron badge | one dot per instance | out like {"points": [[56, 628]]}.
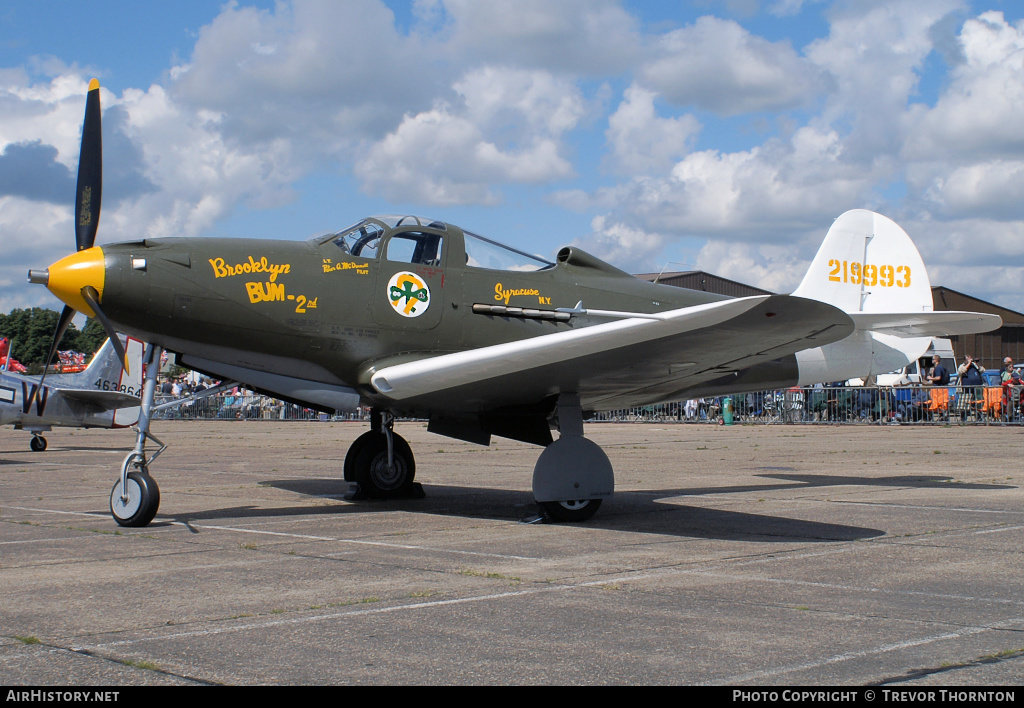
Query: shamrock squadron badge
{"points": [[408, 294]]}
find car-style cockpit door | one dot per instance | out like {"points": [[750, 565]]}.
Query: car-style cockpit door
{"points": [[410, 283]]}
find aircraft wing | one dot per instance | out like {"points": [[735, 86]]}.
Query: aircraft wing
{"points": [[630, 361], [98, 401], [926, 324]]}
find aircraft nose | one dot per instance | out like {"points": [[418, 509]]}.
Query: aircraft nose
{"points": [[68, 276]]}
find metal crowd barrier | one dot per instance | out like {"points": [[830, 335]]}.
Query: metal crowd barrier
{"points": [[871, 405], [245, 407]]}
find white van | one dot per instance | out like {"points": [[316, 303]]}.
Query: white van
{"points": [[911, 374]]}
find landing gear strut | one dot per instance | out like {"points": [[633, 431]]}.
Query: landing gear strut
{"points": [[135, 498], [381, 464], [573, 474]]}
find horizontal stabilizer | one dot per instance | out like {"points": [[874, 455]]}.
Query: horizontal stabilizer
{"points": [[98, 401], [926, 324]]}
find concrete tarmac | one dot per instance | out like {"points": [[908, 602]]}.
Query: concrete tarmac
{"points": [[745, 555]]}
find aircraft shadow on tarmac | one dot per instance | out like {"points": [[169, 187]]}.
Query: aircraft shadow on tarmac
{"points": [[650, 511], [800, 481]]}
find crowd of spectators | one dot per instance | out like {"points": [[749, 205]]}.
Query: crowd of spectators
{"points": [[235, 402], [971, 394]]}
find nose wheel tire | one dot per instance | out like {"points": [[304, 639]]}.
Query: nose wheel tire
{"points": [[571, 511], [143, 499], [38, 443]]}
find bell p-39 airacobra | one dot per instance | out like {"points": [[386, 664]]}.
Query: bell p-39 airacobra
{"points": [[419, 318]]}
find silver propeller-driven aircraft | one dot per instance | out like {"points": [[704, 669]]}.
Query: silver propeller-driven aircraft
{"points": [[414, 317], [104, 395]]}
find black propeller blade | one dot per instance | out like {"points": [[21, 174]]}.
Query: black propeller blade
{"points": [[62, 326], [90, 172], [87, 202], [92, 298], [88, 196]]}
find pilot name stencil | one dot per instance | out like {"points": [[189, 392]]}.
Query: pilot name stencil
{"points": [[221, 269], [359, 268]]}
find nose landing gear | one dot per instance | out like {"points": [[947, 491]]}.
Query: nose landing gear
{"points": [[135, 498], [134, 501]]}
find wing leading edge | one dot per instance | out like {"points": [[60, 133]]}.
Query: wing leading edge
{"points": [[631, 361]]}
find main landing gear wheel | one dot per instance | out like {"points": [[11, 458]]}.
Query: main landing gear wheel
{"points": [[38, 443], [367, 465], [571, 511], [354, 449], [143, 499], [573, 474]]}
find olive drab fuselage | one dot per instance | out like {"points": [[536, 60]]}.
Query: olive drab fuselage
{"points": [[335, 313]]}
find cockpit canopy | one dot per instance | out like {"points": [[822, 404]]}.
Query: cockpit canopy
{"points": [[413, 239]]}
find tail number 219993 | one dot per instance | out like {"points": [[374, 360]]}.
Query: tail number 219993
{"points": [[870, 275]]}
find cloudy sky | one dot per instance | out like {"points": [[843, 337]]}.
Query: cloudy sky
{"points": [[719, 135]]}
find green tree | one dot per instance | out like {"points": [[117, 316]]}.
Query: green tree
{"points": [[89, 338], [32, 330]]}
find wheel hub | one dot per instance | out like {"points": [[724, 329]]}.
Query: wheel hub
{"points": [[575, 504], [387, 477], [124, 506]]}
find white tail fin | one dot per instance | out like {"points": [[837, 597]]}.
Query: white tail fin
{"points": [[867, 263], [869, 268]]}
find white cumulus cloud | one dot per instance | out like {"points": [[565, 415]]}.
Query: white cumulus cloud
{"points": [[641, 141], [506, 129], [718, 65]]}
